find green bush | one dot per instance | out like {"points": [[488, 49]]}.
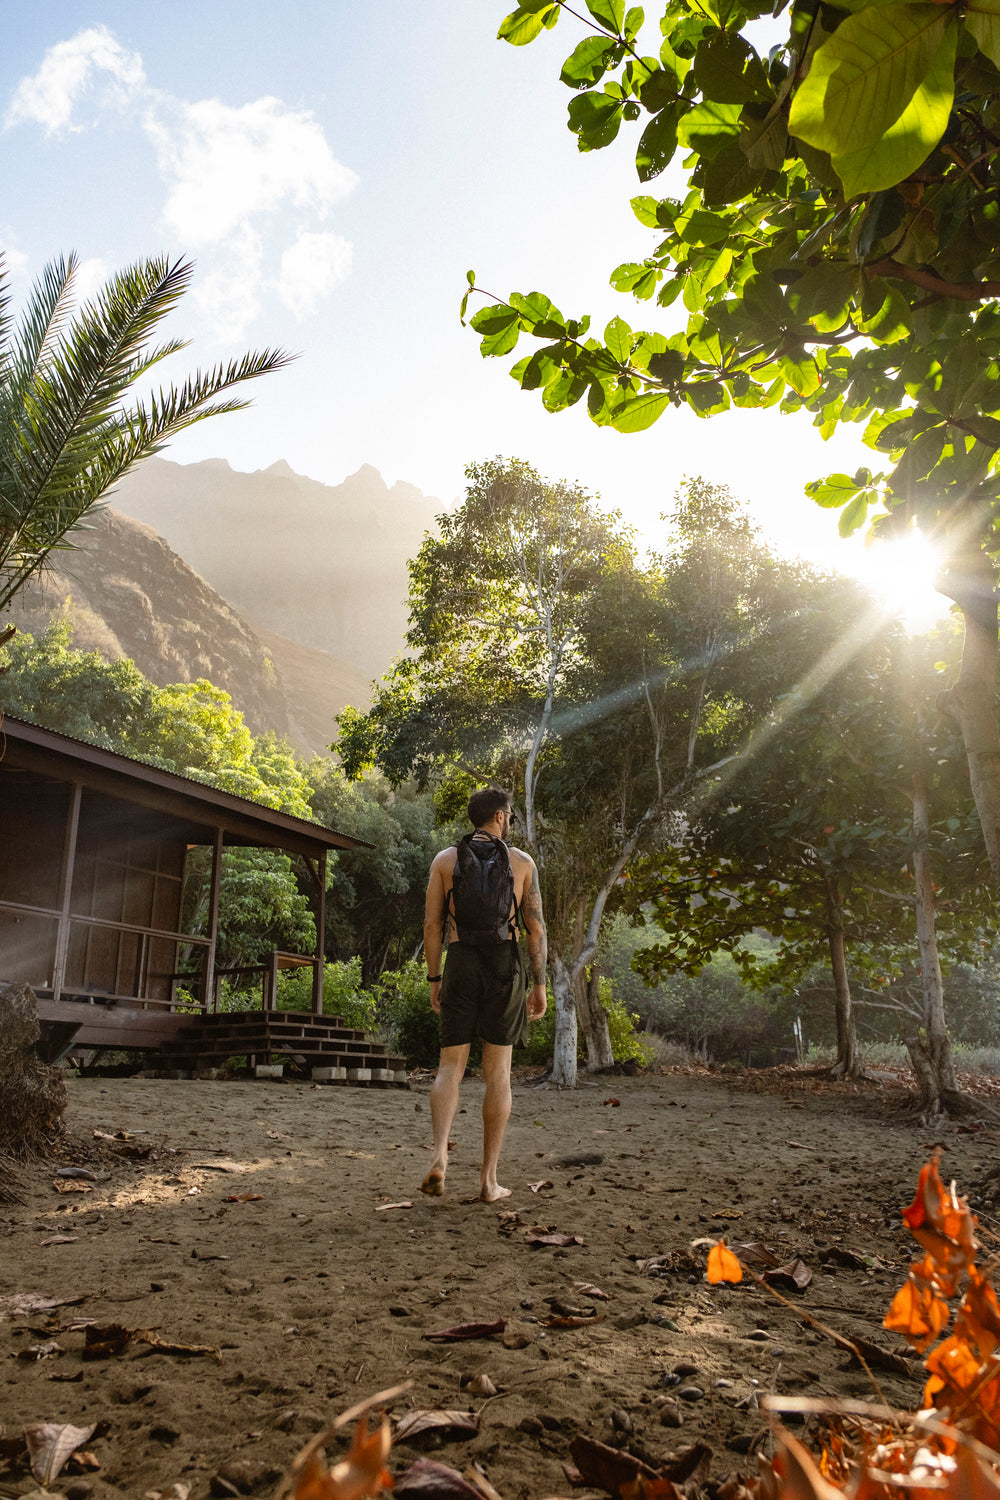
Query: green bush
{"points": [[342, 994], [404, 1006], [626, 1044]]}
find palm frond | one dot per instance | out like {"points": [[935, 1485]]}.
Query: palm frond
{"points": [[67, 430]]}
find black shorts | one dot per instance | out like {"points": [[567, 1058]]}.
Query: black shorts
{"points": [[484, 993]]}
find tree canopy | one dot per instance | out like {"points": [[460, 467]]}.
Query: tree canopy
{"points": [[835, 252]]}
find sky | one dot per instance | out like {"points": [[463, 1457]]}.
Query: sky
{"points": [[334, 172]]}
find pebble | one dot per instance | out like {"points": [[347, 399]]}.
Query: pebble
{"points": [[671, 1415], [723, 1385], [630, 1320], [670, 1379], [399, 1312], [666, 1323], [80, 1489], [620, 1420], [531, 1426], [743, 1442], [691, 1393], [777, 1352], [685, 1368], [759, 1335]]}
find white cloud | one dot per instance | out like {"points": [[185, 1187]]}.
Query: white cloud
{"points": [[91, 275], [228, 296], [310, 269], [68, 72], [227, 165], [233, 177]]}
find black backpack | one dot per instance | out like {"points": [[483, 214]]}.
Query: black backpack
{"points": [[482, 893]]}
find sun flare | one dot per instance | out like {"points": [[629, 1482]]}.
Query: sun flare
{"points": [[900, 572]]}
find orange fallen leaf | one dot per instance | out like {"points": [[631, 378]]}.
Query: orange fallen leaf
{"points": [[362, 1472], [244, 1198], [723, 1265]]}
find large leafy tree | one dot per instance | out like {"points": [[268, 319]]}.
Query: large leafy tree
{"points": [[73, 419], [544, 654], [835, 251], [849, 838]]}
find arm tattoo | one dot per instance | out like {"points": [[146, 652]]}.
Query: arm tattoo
{"points": [[535, 930]]}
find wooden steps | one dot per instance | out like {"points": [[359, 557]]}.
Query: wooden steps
{"points": [[264, 1036]]}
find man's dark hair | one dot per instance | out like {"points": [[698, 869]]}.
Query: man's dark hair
{"points": [[485, 804]]}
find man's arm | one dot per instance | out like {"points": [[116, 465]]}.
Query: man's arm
{"points": [[434, 910], [537, 944]]}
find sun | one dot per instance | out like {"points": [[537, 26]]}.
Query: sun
{"points": [[900, 572]]}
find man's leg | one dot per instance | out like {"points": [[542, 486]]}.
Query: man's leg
{"points": [[496, 1113], [444, 1103]]}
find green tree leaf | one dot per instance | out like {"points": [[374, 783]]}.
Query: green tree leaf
{"points": [[588, 62], [910, 139], [609, 13], [618, 337], [525, 23], [595, 118], [862, 78], [657, 144]]}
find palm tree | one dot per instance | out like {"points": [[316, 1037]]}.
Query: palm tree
{"points": [[71, 424]]}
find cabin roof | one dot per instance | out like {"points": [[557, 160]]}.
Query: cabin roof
{"points": [[29, 747]]}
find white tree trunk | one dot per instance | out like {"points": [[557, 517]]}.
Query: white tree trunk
{"points": [[930, 1054], [594, 1020], [564, 1051]]}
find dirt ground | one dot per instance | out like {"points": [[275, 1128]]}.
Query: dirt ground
{"points": [[280, 1225]]}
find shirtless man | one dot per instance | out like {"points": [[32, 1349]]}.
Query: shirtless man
{"points": [[482, 993]]}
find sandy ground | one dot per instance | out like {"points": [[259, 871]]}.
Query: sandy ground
{"points": [[319, 1287]]}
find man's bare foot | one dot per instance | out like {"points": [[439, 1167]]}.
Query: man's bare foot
{"points": [[433, 1183], [492, 1192]]}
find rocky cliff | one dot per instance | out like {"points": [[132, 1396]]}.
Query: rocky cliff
{"points": [[322, 565], [131, 595]]}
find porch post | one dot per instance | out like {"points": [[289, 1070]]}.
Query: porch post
{"points": [[319, 965], [209, 997], [66, 890]]}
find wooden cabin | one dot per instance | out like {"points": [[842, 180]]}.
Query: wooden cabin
{"points": [[93, 852]]}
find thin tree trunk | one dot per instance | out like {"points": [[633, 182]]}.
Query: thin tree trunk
{"points": [[970, 581], [930, 1053], [591, 1013], [594, 1019], [848, 1063], [564, 1050]]}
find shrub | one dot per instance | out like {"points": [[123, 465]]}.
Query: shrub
{"points": [[342, 993], [404, 1006], [626, 1044]]}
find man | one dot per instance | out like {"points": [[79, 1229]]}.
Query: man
{"points": [[482, 990]]}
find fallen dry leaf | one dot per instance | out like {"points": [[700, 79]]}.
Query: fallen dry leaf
{"points": [[41, 1351], [243, 1197], [428, 1480], [71, 1185], [614, 1103], [51, 1444], [381, 1208], [587, 1289], [426, 1419], [59, 1239], [571, 1320], [536, 1187], [466, 1331], [23, 1304], [793, 1276], [362, 1472], [723, 1265], [607, 1468]]}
